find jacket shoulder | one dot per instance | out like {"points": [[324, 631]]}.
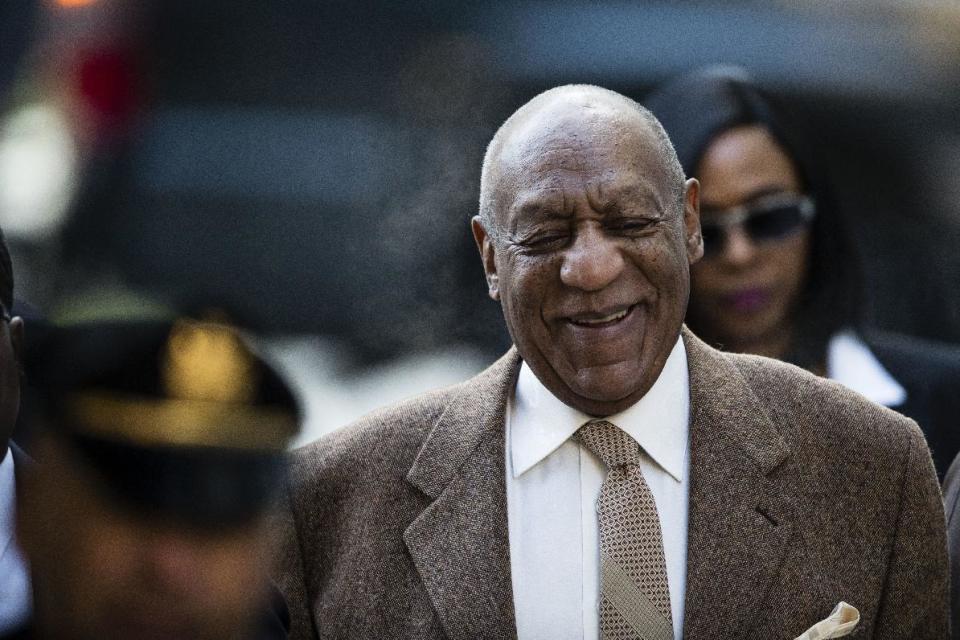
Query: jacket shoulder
{"points": [[386, 439], [817, 413], [386, 442]]}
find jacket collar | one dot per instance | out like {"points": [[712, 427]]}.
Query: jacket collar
{"points": [[742, 515], [540, 423], [459, 543], [477, 410]]}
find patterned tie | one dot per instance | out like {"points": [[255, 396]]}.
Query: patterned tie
{"points": [[634, 596]]}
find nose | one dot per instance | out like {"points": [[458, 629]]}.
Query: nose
{"points": [[738, 248], [592, 262]]}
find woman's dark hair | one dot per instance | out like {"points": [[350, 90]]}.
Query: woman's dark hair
{"points": [[696, 108]]}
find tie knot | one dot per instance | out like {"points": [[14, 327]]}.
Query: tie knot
{"points": [[610, 443]]}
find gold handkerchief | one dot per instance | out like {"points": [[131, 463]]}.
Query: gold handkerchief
{"points": [[841, 622]]}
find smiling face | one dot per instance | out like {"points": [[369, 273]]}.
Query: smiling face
{"points": [[744, 294], [591, 260]]}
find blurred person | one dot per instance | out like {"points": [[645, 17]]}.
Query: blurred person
{"points": [[778, 277], [31, 317], [160, 448], [612, 475], [15, 592], [17, 20]]}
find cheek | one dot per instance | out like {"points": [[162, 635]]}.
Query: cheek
{"points": [[85, 563], [112, 548], [229, 582], [525, 287], [795, 259], [669, 271], [108, 556], [235, 570]]}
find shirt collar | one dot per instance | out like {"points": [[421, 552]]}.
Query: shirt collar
{"points": [[8, 490], [851, 363], [540, 423]]}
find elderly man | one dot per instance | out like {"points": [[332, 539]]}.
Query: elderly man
{"points": [[17, 20], [15, 591], [611, 476]]}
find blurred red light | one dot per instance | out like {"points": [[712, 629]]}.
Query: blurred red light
{"points": [[73, 4], [107, 85]]}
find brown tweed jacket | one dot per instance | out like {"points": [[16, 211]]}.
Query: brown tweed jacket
{"points": [[802, 494]]}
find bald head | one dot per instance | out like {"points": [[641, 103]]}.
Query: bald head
{"points": [[565, 115], [587, 230]]}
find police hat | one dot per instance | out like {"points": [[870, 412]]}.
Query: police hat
{"points": [[178, 417]]}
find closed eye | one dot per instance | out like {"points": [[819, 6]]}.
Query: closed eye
{"points": [[631, 225], [545, 241]]}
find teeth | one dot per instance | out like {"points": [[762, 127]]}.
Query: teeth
{"points": [[610, 318]]}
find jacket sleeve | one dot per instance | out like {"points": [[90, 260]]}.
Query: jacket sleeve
{"points": [[288, 572], [915, 601]]}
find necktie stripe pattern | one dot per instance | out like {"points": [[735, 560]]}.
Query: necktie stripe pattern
{"points": [[632, 604], [633, 568]]}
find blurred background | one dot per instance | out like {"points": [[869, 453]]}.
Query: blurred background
{"points": [[314, 165]]}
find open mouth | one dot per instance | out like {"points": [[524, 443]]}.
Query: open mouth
{"points": [[596, 321]]}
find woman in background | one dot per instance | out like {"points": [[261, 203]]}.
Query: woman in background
{"points": [[778, 276]]}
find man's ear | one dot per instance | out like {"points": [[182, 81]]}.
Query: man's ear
{"points": [[691, 220], [487, 256], [16, 338]]}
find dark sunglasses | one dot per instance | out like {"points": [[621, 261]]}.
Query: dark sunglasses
{"points": [[766, 220]]}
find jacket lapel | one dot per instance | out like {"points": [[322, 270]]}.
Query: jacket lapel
{"points": [[741, 517], [21, 462], [460, 543]]}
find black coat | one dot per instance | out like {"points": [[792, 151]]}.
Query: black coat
{"points": [[930, 374]]}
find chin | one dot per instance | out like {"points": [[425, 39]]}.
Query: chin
{"points": [[609, 391], [601, 408]]}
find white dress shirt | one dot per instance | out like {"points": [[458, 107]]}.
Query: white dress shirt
{"points": [[552, 487], [15, 597]]}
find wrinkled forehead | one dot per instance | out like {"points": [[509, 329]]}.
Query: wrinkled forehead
{"points": [[606, 146]]}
